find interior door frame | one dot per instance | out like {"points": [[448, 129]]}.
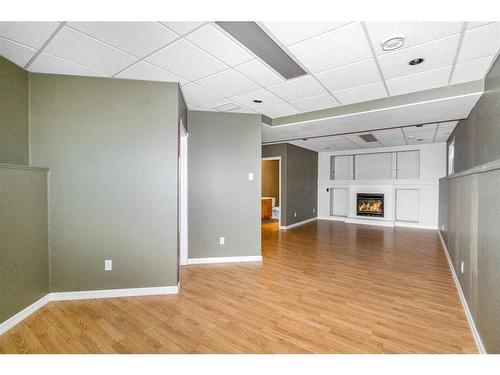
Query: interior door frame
{"points": [[279, 183], [183, 195]]}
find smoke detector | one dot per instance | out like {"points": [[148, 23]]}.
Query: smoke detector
{"points": [[393, 42]]}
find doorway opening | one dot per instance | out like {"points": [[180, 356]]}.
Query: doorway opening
{"points": [[271, 199]]}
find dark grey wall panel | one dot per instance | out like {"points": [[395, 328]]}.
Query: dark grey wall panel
{"points": [[302, 184], [14, 144], [24, 256], [477, 138], [223, 148]]}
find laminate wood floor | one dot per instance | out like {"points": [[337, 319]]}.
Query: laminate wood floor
{"points": [[324, 287]]}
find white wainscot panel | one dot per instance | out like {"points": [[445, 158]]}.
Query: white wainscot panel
{"points": [[339, 202], [407, 205]]}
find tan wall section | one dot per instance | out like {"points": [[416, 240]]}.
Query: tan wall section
{"points": [[270, 179]]}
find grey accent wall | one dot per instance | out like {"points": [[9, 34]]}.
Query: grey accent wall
{"points": [[111, 146], [14, 141], [24, 257], [223, 149], [469, 207], [299, 172]]}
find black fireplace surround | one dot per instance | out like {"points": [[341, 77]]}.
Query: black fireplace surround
{"points": [[368, 204]]}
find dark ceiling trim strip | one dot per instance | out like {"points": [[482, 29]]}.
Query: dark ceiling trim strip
{"points": [[256, 40]]}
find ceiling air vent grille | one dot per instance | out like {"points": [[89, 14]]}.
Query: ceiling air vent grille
{"points": [[368, 137]]}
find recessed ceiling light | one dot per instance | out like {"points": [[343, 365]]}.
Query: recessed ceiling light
{"points": [[258, 101], [418, 60], [393, 42]]}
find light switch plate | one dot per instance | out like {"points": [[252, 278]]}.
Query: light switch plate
{"points": [[108, 265], [222, 240], [250, 176]]}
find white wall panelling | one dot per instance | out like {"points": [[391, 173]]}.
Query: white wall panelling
{"points": [[410, 201]]}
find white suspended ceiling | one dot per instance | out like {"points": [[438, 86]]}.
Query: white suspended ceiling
{"points": [[344, 60]]}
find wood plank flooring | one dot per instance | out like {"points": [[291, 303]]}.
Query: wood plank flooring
{"points": [[324, 287]]}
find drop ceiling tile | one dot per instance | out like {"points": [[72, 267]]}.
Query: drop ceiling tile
{"points": [[181, 27], [228, 83], [298, 88], [259, 73], [186, 60], [444, 131], [415, 32], [279, 110], [472, 70], [437, 54], [352, 75], [342, 46], [197, 96], [148, 72], [390, 138], [341, 143], [316, 103], [354, 138], [421, 81], [136, 38], [17, 53], [219, 45], [46, 63], [293, 32], [268, 99], [361, 93], [81, 49], [32, 34], [481, 41], [422, 134]]}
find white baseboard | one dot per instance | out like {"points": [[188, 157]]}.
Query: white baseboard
{"points": [[299, 223], [256, 258], [413, 225], [23, 314], [111, 293], [333, 218], [381, 223], [472, 324], [91, 294]]}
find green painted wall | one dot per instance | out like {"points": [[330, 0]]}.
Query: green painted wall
{"points": [[14, 143], [222, 149], [111, 146], [24, 256]]}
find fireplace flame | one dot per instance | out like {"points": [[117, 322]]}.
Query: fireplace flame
{"points": [[374, 206]]}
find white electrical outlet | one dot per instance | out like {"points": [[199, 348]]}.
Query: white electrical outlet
{"points": [[108, 265], [314, 210], [221, 240], [250, 176], [295, 214], [462, 267]]}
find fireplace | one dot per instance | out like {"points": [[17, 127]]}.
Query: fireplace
{"points": [[370, 204]]}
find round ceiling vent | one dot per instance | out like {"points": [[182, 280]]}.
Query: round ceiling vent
{"points": [[393, 42]]}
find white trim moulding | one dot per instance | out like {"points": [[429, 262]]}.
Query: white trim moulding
{"points": [[299, 223], [256, 258]]}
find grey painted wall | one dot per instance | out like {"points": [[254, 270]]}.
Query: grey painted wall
{"points": [[111, 146], [14, 141], [24, 257], [299, 172], [223, 148], [468, 211]]}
